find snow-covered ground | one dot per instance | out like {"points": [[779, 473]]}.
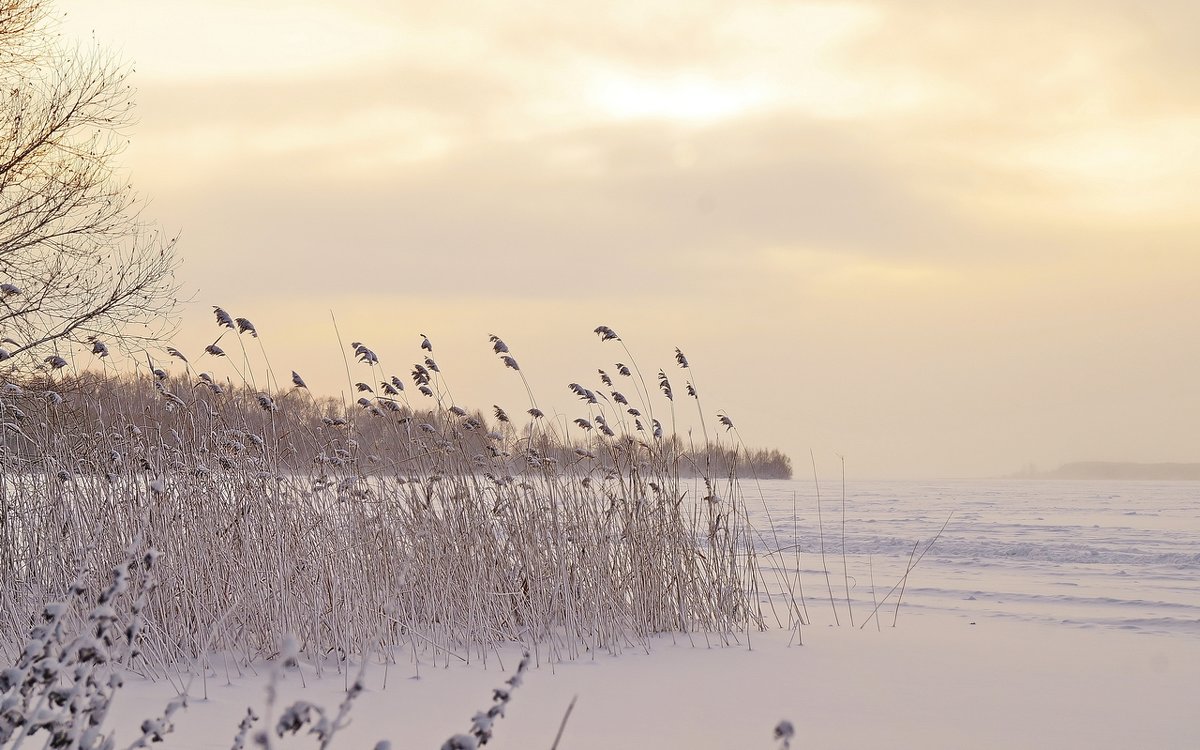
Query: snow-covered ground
{"points": [[1049, 614]]}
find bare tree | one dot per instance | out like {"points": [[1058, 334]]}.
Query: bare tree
{"points": [[78, 263]]}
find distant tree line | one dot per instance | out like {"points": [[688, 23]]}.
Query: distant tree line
{"points": [[166, 422], [1117, 470]]}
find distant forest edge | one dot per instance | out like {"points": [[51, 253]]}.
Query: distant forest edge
{"points": [[1117, 470], [306, 429]]}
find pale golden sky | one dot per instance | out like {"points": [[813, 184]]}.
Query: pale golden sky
{"points": [[939, 238]]}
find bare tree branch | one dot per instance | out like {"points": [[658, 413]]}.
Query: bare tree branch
{"points": [[77, 260]]}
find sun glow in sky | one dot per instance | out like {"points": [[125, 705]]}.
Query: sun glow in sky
{"points": [[937, 238]]}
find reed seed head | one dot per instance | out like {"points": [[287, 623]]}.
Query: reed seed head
{"points": [[606, 334]]}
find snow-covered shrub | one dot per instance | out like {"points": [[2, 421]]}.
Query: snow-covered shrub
{"points": [[65, 677]]}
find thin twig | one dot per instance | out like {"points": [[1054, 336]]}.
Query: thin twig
{"points": [[563, 724]]}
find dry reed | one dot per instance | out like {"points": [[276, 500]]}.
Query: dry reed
{"points": [[420, 525]]}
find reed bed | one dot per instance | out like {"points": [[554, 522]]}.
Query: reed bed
{"points": [[387, 522]]}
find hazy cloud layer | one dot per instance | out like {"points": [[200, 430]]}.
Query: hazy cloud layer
{"points": [[938, 237]]}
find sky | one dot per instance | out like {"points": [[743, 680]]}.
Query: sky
{"points": [[935, 238]]}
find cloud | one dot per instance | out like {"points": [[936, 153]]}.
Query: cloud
{"points": [[934, 229]]}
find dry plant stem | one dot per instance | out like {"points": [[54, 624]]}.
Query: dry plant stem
{"points": [[845, 567], [563, 724], [777, 549], [874, 600], [796, 544], [821, 533], [903, 582], [909, 569]]}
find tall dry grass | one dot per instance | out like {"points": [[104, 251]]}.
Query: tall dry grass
{"points": [[392, 522]]}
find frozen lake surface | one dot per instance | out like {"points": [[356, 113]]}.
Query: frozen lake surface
{"points": [[1102, 554]]}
